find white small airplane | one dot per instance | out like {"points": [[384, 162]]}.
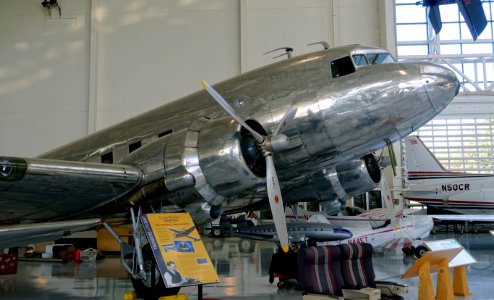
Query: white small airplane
{"points": [[383, 228], [432, 185], [383, 232]]}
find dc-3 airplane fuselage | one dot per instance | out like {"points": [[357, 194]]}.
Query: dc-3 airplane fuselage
{"points": [[192, 156]]}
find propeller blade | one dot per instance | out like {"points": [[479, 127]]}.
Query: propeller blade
{"points": [[388, 200], [222, 102], [287, 118], [276, 203]]}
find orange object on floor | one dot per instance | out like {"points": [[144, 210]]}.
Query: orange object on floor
{"points": [[460, 282]]}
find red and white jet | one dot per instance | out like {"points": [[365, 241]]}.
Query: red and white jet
{"points": [[432, 185]]}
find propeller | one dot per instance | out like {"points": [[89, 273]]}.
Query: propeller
{"points": [[268, 144]]}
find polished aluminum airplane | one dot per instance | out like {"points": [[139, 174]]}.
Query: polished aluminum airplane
{"points": [[300, 231], [316, 117], [432, 185]]}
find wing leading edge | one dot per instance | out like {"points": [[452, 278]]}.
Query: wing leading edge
{"points": [[59, 188], [23, 234]]}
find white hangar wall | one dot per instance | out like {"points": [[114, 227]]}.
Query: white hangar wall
{"points": [[44, 75], [106, 60]]}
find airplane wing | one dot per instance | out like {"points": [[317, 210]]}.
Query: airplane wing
{"points": [[60, 188], [23, 234], [465, 218]]}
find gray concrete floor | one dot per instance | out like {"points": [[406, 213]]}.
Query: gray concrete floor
{"points": [[242, 266]]}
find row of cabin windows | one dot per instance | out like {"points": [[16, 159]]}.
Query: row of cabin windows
{"points": [[289, 229], [345, 65], [339, 67], [107, 158]]}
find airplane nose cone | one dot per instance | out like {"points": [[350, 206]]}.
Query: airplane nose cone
{"points": [[342, 233], [441, 84]]}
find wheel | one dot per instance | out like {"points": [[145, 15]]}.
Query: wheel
{"points": [[216, 232], [420, 250], [407, 251], [144, 288]]}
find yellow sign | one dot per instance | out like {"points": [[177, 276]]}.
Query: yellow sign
{"points": [[178, 249]]}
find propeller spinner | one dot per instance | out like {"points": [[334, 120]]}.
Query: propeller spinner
{"points": [[268, 144]]}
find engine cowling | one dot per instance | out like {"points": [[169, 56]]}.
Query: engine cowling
{"points": [[228, 157], [332, 187], [209, 164]]}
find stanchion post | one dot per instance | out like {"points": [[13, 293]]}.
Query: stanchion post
{"points": [[460, 282], [426, 289], [444, 283]]}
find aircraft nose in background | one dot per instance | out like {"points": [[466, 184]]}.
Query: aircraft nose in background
{"points": [[441, 84]]}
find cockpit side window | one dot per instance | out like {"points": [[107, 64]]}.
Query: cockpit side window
{"points": [[342, 66], [380, 58], [360, 60]]}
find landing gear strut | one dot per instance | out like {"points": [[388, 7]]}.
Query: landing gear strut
{"points": [[139, 261]]}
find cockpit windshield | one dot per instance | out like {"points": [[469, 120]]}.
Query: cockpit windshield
{"points": [[380, 58], [347, 64], [361, 60]]}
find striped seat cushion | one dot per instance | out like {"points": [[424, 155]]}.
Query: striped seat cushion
{"points": [[356, 265], [319, 270]]}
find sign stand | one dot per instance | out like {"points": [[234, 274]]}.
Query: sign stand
{"points": [[458, 263], [444, 284], [179, 251], [460, 282], [426, 289], [199, 292], [433, 261]]}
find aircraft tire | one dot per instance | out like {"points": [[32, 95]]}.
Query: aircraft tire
{"points": [[420, 250], [217, 232], [407, 251], [143, 289]]}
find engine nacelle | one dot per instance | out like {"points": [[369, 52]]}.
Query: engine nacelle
{"points": [[221, 157], [211, 163], [204, 166], [332, 187]]}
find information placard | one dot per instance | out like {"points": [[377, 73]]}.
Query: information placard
{"points": [[464, 258], [179, 251]]}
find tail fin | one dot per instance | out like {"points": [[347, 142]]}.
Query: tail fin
{"points": [[419, 158]]}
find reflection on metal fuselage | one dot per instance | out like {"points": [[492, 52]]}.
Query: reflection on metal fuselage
{"points": [[195, 146]]}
